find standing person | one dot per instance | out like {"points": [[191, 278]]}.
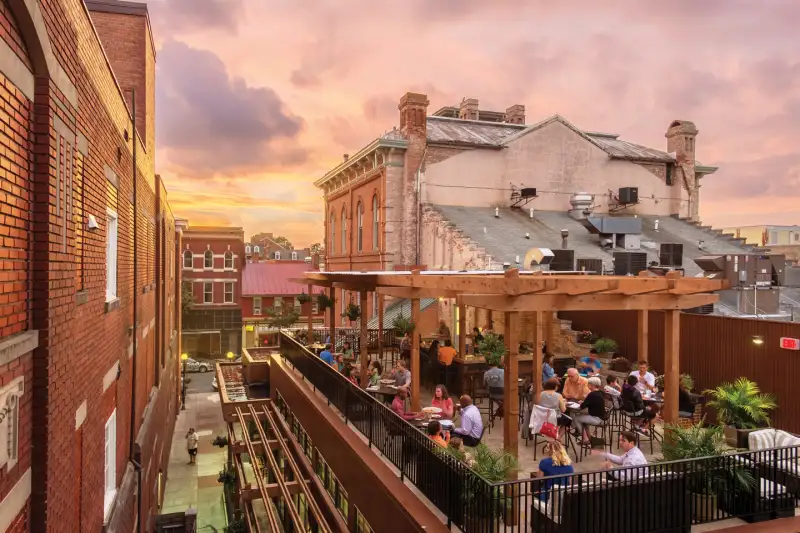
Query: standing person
{"points": [[444, 331], [645, 379], [633, 456], [347, 350], [327, 356], [191, 445], [446, 353], [405, 346], [471, 429]]}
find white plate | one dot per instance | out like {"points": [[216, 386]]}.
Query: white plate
{"points": [[446, 423], [435, 410]]}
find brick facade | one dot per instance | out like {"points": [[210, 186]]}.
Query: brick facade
{"points": [[81, 355]]}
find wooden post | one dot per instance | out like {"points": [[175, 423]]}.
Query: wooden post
{"points": [[332, 317], [380, 328], [462, 330], [489, 318], [310, 305], [644, 335], [672, 370], [538, 319], [547, 330], [364, 348], [414, 363], [511, 387]]}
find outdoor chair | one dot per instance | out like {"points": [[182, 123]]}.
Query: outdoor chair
{"points": [[777, 457], [496, 397]]}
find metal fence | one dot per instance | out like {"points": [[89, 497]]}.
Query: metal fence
{"points": [[661, 497]]}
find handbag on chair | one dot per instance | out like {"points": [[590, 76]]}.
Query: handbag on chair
{"points": [[549, 430]]}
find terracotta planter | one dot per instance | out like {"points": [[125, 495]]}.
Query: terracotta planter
{"points": [[704, 507]]}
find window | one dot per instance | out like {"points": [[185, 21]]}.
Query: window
{"points": [[228, 292], [110, 476], [256, 305], [294, 256], [277, 304], [360, 227], [277, 255], [297, 307], [111, 255], [344, 297], [208, 259], [773, 237], [796, 237], [228, 260], [187, 259], [208, 292], [375, 222], [314, 307], [333, 233], [257, 250], [247, 249], [344, 231]]}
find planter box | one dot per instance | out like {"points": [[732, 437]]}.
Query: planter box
{"points": [[737, 438], [704, 507]]}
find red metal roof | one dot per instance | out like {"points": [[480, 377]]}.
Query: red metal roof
{"points": [[272, 278]]}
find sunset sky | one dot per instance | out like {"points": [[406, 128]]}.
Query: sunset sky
{"points": [[257, 99]]}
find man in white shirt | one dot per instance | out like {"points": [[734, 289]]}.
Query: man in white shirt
{"points": [[647, 381], [633, 456]]}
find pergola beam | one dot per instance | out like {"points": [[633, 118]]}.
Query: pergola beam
{"points": [[409, 292], [591, 302]]}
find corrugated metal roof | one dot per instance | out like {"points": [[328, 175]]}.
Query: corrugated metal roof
{"points": [[626, 150], [272, 279], [398, 308], [470, 132]]}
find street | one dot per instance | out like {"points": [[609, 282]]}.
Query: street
{"points": [[200, 382]]}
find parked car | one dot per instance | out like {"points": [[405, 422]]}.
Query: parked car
{"points": [[193, 365]]}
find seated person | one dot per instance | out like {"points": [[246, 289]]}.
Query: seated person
{"points": [[593, 411], [633, 456], [457, 445], [646, 381], [402, 376], [685, 403], [347, 350], [376, 371], [399, 405], [327, 356], [547, 368], [553, 400], [471, 429], [494, 378], [589, 364], [556, 462], [347, 371], [633, 404], [446, 353], [575, 386], [339, 362], [435, 433], [443, 401], [613, 389]]}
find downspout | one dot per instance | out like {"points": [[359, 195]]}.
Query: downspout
{"points": [[419, 202], [132, 448]]}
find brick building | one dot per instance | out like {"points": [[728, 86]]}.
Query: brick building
{"points": [[88, 321], [267, 289], [212, 261], [269, 249]]}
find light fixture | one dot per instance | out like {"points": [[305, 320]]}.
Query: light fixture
{"points": [[758, 340], [184, 356], [230, 355]]}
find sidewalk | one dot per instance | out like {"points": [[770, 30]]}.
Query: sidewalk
{"points": [[196, 485]]}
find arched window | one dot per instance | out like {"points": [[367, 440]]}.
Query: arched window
{"points": [[294, 256], [247, 249], [187, 259], [332, 246], [277, 255], [208, 259], [360, 227], [228, 260], [375, 222], [256, 249], [344, 230]]}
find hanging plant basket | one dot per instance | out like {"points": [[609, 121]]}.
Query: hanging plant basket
{"points": [[353, 312], [303, 298], [324, 302]]}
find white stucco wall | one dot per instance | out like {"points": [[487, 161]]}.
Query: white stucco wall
{"points": [[558, 162]]}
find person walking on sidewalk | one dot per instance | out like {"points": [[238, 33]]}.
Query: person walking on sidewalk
{"points": [[191, 445]]}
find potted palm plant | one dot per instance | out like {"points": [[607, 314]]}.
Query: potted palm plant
{"points": [[742, 408], [714, 478], [492, 348]]}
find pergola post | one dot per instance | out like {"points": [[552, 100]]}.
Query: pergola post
{"points": [[489, 319], [363, 345], [547, 330], [538, 319], [462, 330], [332, 316], [644, 336], [310, 304], [414, 363], [511, 386], [380, 328], [672, 370]]}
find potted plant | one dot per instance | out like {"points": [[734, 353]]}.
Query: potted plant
{"points": [[605, 346], [227, 476], [492, 348], [714, 478], [237, 525], [303, 298], [742, 408], [587, 337], [352, 312], [323, 302], [403, 325]]}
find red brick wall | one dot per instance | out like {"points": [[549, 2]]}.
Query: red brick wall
{"points": [[268, 302], [367, 258], [9, 32], [20, 523]]}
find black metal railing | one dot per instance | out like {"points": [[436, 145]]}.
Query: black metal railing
{"points": [[661, 497], [351, 335]]}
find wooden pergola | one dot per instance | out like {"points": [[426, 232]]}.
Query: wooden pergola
{"points": [[539, 294]]}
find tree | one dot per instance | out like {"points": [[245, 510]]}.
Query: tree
{"points": [[187, 297], [258, 238], [283, 241], [283, 318], [316, 248]]}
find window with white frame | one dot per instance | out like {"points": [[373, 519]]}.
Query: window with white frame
{"points": [[247, 249], [256, 305], [297, 307], [277, 304], [332, 243], [228, 260], [257, 250], [294, 256], [188, 259], [112, 227], [360, 226], [277, 255], [208, 259], [375, 222], [208, 292], [110, 475], [344, 230], [228, 292], [314, 307]]}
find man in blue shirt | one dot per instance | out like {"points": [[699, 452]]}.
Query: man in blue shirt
{"points": [[326, 355]]}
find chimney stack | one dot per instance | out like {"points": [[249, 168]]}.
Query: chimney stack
{"points": [[680, 140], [515, 114], [468, 110], [413, 114], [315, 261], [346, 157], [564, 239]]}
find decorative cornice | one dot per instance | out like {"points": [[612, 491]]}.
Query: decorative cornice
{"points": [[17, 346], [356, 160]]}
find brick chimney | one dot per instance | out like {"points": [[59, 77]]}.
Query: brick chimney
{"points": [[681, 135], [468, 110], [413, 114], [515, 114], [680, 140]]}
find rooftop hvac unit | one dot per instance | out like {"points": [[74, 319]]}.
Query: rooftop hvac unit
{"points": [[563, 260], [702, 310], [711, 263], [528, 192], [537, 257], [629, 263], [671, 254], [585, 264], [628, 195]]}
